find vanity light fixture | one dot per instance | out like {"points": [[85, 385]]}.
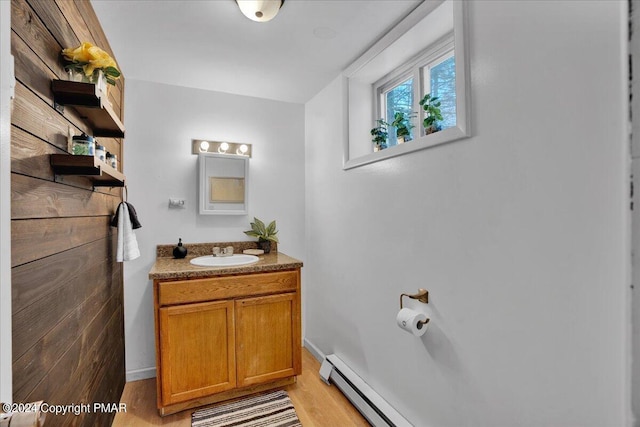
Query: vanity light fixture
{"points": [[221, 147], [260, 10]]}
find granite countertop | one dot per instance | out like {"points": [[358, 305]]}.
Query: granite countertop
{"points": [[167, 267]]}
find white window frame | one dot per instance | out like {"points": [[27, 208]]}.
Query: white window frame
{"points": [[440, 51], [423, 27]]}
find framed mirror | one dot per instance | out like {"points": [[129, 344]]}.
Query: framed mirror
{"points": [[422, 57], [223, 184]]}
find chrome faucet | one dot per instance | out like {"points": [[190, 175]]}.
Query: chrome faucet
{"points": [[217, 251]]}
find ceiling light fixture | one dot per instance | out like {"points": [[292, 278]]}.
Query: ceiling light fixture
{"points": [[260, 10]]}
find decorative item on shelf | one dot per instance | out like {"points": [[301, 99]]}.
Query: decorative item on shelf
{"points": [[265, 233], [100, 152], [402, 123], [179, 251], [380, 134], [89, 63], [96, 78], [432, 113], [82, 145], [111, 160]]}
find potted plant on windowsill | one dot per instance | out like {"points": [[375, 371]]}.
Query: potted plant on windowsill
{"points": [[264, 233], [380, 134], [432, 114], [402, 123]]}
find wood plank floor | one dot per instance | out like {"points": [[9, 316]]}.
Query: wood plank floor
{"points": [[316, 403]]}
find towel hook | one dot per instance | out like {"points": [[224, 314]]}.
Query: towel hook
{"points": [[125, 193], [422, 296]]}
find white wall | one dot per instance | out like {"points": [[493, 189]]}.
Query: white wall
{"points": [[161, 120], [5, 202], [634, 48], [520, 234]]}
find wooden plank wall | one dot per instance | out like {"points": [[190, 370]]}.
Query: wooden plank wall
{"points": [[67, 295]]}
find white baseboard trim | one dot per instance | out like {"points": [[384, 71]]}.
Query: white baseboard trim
{"points": [[365, 399], [314, 350], [141, 374]]}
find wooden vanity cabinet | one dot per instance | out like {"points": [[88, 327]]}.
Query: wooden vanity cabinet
{"points": [[222, 337], [197, 350], [266, 338]]}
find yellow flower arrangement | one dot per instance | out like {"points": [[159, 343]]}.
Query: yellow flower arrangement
{"points": [[90, 59]]}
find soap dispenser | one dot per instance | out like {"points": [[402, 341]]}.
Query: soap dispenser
{"points": [[179, 251]]}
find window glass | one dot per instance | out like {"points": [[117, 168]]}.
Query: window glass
{"points": [[398, 99], [442, 83], [431, 72]]}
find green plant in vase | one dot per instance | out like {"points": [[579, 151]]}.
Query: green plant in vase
{"points": [[380, 134], [432, 114], [402, 123], [264, 233]]}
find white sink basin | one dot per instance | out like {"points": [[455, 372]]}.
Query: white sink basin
{"points": [[224, 261]]}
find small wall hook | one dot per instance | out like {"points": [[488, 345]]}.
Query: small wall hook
{"points": [[422, 296]]}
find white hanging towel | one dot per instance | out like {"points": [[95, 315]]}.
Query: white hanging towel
{"points": [[127, 243]]}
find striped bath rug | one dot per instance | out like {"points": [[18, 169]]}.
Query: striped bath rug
{"points": [[265, 410]]}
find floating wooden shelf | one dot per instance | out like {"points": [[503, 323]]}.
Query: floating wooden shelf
{"points": [[102, 174], [89, 102]]}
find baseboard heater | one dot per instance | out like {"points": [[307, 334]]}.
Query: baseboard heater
{"points": [[373, 407]]}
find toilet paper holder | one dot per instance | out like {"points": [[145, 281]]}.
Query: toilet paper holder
{"points": [[422, 296]]}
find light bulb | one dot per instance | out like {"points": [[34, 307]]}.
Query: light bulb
{"points": [[223, 147], [204, 146], [242, 150]]}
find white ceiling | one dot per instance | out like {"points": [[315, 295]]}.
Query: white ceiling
{"points": [[211, 45]]}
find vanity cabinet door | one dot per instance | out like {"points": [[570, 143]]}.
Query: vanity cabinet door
{"points": [[197, 349], [268, 338]]}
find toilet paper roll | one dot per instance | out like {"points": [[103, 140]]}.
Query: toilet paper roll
{"points": [[408, 319]]}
